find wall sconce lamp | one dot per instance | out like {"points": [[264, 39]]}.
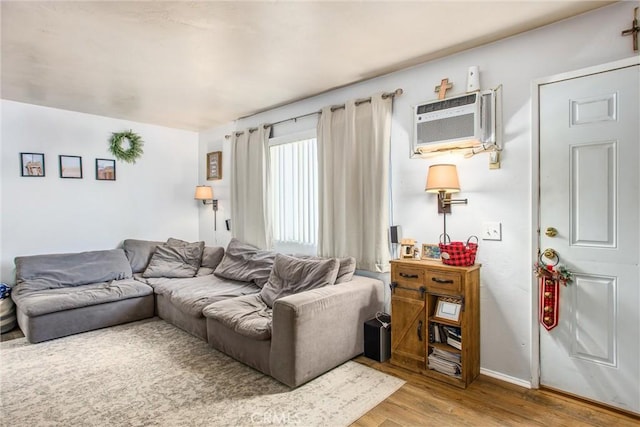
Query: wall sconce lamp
{"points": [[205, 193], [443, 179]]}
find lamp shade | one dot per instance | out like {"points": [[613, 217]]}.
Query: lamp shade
{"points": [[442, 178], [203, 192]]}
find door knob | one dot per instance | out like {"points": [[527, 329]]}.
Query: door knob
{"points": [[551, 232], [549, 253]]}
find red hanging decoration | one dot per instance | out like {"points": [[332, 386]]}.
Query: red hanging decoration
{"points": [[549, 293], [549, 303]]}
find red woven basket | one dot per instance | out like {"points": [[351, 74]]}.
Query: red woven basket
{"points": [[459, 253]]}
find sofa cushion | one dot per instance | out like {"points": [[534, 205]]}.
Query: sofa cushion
{"points": [[175, 260], [247, 315], [47, 301], [292, 275], [346, 270], [246, 263], [211, 257], [204, 271], [191, 295], [51, 271], [139, 253]]}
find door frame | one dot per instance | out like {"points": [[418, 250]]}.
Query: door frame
{"points": [[535, 190]]}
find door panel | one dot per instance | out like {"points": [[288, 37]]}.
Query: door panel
{"points": [[593, 318], [593, 185], [589, 192], [595, 109]]}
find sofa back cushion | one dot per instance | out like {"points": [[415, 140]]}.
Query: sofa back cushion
{"points": [[211, 256], [139, 252], [246, 263], [346, 270], [292, 275], [75, 269], [175, 259]]}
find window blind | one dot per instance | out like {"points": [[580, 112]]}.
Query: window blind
{"points": [[294, 179]]}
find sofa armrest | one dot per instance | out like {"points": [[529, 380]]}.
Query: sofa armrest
{"points": [[317, 330]]}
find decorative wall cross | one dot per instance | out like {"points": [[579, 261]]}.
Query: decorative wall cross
{"points": [[442, 88], [633, 30]]}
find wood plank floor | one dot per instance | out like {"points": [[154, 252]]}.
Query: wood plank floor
{"points": [[486, 402]]}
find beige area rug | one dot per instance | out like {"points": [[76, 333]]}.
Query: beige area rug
{"points": [[150, 373]]}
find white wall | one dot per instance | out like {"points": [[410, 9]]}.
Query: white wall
{"points": [[152, 199], [503, 195], [214, 140]]}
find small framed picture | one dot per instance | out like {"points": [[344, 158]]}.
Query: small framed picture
{"points": [[70, 166], [430, 251], [105, 169], [448, 309], [214, 165], [32, 164]]}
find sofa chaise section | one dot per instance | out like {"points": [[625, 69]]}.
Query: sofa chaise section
{"points": [[309, 333], [181, 301], [64, 294]]}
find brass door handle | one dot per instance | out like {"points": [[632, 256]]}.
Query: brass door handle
{"points": [[550, 253], [551, 232]]}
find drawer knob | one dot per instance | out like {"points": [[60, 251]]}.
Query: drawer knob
{"points": [[443, 281], [409, 276]]}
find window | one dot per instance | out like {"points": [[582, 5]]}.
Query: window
{"points": [[294, 193]]}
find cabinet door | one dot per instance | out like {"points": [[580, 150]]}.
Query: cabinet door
{"points": [[409, 331]]}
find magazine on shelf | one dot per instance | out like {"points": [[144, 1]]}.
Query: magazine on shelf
{"points": [[445, 362]]}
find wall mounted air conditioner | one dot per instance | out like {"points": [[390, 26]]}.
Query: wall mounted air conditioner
{"points": [[459, 122]]}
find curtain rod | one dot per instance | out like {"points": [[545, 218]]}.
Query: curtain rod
{"points": [[386, 95]]}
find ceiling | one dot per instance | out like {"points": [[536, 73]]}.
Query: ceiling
{"points": [[197, 65]]}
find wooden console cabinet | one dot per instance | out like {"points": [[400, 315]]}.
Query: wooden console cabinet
{"points": [[417, 287]]}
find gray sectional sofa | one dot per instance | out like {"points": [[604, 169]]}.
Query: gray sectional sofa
{"points": [[289, 317]]}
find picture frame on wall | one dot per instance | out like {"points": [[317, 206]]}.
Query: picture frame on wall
{"points": [[70, 166], [214, 165], [32, 164], [430, 251], [105, 169], [448, 309]]}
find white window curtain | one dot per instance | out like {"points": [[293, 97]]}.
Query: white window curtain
{"points": [[250, 177], [353, 190]]}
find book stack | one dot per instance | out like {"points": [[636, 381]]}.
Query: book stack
{"points": [[454, 339], [446, 334], [445, 362]]}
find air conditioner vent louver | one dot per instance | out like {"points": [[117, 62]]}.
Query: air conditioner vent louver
{"points": [[458, 122], [438, 130]]}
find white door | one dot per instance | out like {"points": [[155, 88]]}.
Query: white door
{"points": [[589, 192]]}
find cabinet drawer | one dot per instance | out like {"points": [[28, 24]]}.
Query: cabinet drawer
{"points": [[410, 277], [444, 281], [408, 282]]}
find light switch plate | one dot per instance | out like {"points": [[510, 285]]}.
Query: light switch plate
{"points": [[491, 230]]}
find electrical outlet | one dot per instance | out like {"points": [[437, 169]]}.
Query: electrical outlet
{"points": [[491, 230]]}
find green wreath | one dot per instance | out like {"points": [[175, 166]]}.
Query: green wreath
{"points": [[131, 154]]}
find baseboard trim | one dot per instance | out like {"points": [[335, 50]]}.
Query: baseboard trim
{"points": [[506, 378]]}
